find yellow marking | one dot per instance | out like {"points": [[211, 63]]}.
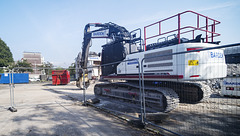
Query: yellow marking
{"points": [[192, 62]]}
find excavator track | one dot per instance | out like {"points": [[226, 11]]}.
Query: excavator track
{"points": [[188, 92], [161, 99]]}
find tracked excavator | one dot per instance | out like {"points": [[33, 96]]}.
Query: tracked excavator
{"points": [[172, 67]]}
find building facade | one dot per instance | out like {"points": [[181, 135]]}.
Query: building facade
{"points": [[35, 59]]}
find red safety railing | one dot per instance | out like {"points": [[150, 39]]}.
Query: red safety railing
{"points": [[183, 30]]}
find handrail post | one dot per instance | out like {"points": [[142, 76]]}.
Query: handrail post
{"points": [[145, 40], [206, 29], [159, 28], [179, 21], [197, 20], [213, 29]]}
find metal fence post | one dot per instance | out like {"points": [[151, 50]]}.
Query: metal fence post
{"points": [[143, 91], [140, 91], [84, 88], [11, 85]]}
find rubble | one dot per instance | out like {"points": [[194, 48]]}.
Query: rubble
{"points": [[233, 69]]}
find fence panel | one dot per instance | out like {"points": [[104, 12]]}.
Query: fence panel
{"points": [[206, 105], [217, 113]]}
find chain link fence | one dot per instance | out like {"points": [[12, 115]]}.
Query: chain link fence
{"points": [[218, 114]]}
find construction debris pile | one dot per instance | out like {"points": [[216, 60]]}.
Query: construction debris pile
{"points": [[233, 69]]}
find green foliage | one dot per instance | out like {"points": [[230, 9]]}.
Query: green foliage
{"points": [[5, 54], [1, 70], [71, 69], [23, 66], [60, 68], [47, 67]]}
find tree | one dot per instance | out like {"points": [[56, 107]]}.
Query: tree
{"points": [[59, 68], [5, 55], [72, 70], [47, 67], [23, 66]]}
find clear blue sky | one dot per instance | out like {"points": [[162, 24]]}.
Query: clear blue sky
{"points": [[55, 27]]}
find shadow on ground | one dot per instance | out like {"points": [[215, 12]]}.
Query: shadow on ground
{"points": [[69, 119]]}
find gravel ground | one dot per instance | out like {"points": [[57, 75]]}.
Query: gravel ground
{"points": [[44, 109], [216, 116]]}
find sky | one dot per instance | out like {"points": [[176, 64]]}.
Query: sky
{"points": [[55, 27]]}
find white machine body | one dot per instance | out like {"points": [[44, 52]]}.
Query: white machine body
{"points": [[202, 65]]}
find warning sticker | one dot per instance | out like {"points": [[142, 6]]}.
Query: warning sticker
{"points": [[192, 62]]}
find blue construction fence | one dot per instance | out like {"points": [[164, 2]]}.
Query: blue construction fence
{"points": [[17, 78]]}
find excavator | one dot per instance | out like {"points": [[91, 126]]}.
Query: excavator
{"points": [[172, 67]]}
